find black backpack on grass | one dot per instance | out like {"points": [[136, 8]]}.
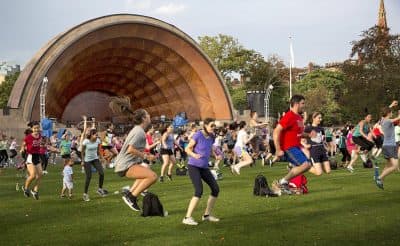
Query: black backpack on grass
{"points": [[152, 205], [261, 187]]}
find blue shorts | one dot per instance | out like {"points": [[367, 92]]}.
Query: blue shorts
{"points": [[295, 156]]}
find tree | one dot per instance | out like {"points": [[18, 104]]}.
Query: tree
{"points": [[226, 53], [6, 88], [373, 80], [322, 90]]}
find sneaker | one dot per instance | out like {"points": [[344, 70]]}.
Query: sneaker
{"points": [[35, 194], [169, 177], [86, 197], [270, 162], [161, 179], [62, 196], [70, 197], [17, 186], [102, 192], [209, 218], [45, 172], [235, 169], [26, 192], [379, 183], [285, 188], [189, 221], [350, 169], [131, 202]]}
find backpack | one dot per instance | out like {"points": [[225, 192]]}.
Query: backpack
{"points": [[333, 164], [299, 184], [261, 187], [367, 164], [152, 205]]}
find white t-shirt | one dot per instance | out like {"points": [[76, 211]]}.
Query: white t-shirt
{"points": [[67, 173], [241, 137], [13, 145]]}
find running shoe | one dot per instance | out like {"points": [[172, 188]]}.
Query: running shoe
{"points": [[285, 188], [26, 192], [350, 169], [131, 201], [35, 194], [379, 183], [86, 197], [189, 221], [169, 177], [161, 179], [102, 192], [209, 218]]}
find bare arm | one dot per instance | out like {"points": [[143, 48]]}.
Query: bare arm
{"points": [[276, 136], [189, 149]]}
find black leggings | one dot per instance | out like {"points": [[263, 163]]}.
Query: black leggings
{"points": [[88, 171], [13, 153], [44, 159], [346, 155], [3, 155], [197, 174]]}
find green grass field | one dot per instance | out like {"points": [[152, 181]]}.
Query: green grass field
{"points": [[341, 208]]}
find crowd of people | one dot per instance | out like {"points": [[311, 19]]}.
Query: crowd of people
{"points": [[302, 142]]}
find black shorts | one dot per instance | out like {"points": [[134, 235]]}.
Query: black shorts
{"points": [[33, 159], [328, 139], [67, 156], [107, 147], [363, 143], [272, 148], [378, 141], [318, 154], [166, 151]]}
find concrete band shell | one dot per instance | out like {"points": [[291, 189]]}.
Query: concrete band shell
{"points": [[158, 66]]}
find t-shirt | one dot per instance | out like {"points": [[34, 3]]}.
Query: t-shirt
{"points": [[316, 135], [293, 128], [203, 147], [136, 138], [91, 149], [241, 137], [397, 133], [3, 144], [33, 144], [67, 173], [388, 132], [13, 145], [65, 147]]}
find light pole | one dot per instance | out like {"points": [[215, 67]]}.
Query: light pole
{"points": [[266, 101], [43, 90]]}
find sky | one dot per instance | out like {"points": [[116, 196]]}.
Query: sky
{"points": [[321, 30]]}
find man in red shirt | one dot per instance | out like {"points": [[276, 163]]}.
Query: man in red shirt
{"points": [[287, 135]]}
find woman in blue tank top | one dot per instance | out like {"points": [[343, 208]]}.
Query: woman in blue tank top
{"points": [[167, 152]]}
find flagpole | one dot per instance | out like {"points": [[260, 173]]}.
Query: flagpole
{"points": [[291, 64]]}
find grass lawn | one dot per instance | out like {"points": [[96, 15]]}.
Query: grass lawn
{"points": [[341, 209]]}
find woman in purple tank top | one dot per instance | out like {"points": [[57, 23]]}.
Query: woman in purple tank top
{"points": [[199, 151]]}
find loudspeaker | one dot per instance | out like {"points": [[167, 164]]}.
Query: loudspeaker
{"points": [[255, 101]]}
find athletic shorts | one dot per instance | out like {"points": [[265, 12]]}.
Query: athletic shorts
{"points": [[107, 147], [239, 151], [363, 143], [378, 141], [328, 139], [66, 156], [218, 151], [166, 151], [123, 172], [318, 154], [390, 152], [295, 156], [33, 159]]}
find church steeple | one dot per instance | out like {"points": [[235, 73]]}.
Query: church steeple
{"points": [[382, 24]]}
